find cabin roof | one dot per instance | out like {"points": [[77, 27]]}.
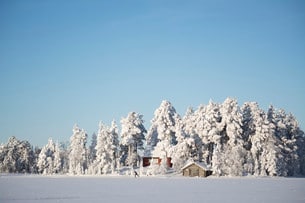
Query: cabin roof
{"points": [[199, 164]]}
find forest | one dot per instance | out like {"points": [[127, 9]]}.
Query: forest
{"points": [[232, 140]]}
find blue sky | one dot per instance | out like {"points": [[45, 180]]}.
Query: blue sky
{"points": [[66, 62]]}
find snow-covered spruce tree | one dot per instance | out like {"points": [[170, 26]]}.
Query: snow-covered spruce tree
{"points": [[250, 111], [189, 128], [301, 151], [161, 136], [234, 152], [208, 127], [42, 163], [57, 162], [188, 121], [106, 150], [64, 156], [78, 152], [132, 139], [184, 150], [92, 150], [49, 161], [17, 157], [264, 144], [114, 134], [288, 133]]}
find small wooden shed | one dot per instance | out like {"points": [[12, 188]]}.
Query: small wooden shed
{"points": [[194, 169]]}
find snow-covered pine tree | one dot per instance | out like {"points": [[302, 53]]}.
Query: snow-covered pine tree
{"points": [[234, 152], [57, 162], [188, 121], [208, 127], [17, 157], [184, 150], [42, 163], [301, 151], [49, 161], [288, 133], [64, 156], [102, 162], [78, 151], [264, 144], [132, 138], [106, 150], [250, 112], [189, 128], [92, 150], [114, 134], [161, 136], [253, 119]]}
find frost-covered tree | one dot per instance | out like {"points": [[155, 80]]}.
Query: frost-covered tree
{"points": [[251, 112], [234, 152], [288, 134], [92, 150], [106, 150], [63, 148], [188, 121], [78, 152], [132, 138], [209, 128], [301, 151], [232, 121], [17, 157], [184, 150], [264, 149], [49, 160], [57, 162], [114, 134], [189, 128], [162, 136]]}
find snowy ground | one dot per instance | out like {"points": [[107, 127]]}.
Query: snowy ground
{"points": [[149, 189]]}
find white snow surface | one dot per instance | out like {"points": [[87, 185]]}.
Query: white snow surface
{"points": [[35, 188]]}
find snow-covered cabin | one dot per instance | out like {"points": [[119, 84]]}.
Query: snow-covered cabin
{"points": [[199, 169], [147, 161]]}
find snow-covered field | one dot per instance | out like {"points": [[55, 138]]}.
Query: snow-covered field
{"points": [[149, 189]]}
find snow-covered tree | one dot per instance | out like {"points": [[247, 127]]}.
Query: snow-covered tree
{"points": [[17, 157], [162, 136], [264, 149], [63, 148], [184, 150], [288, 134], [78, 151], [189, 128], [188, 121], [106, 150], [232, 121], [114, 134], [234, 152], [92, 150], [301, 151], [209, 128], [251, 112], [132, 138], [49, 160], [57, 162]]}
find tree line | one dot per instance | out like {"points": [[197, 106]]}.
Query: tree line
{"points": [[231, 139]]}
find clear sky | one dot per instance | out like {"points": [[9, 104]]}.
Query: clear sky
{"points": [[67, 62]]}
